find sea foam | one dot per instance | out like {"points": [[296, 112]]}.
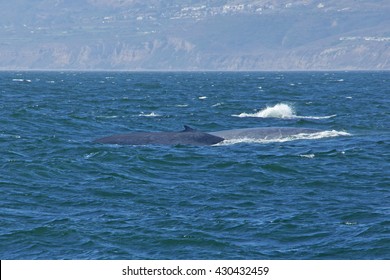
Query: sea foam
{"points": [[300, 136]]}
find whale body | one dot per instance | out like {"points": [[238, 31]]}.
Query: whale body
{"points": [[262, 133], [190, 136]]}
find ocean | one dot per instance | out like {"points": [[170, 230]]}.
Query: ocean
{"points": [[325, 196]]}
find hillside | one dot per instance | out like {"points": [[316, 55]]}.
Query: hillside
{"points": [[195, 35]]}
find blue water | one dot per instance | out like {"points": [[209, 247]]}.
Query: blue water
{"points": [[323, 197]]}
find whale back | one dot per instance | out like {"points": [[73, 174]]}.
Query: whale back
{"points": [[188, 136], [262, 133]]}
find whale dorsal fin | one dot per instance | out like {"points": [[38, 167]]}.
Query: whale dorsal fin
{"points": [[188, 129]]}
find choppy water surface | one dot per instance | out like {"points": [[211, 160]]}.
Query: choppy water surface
{"points": [[325, 196]]}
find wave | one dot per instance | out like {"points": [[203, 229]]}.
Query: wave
{"points": [[300, 136], [280, 111]]}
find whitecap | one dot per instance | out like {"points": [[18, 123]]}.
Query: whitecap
{"points": [[307, 156], [152, 114], [202, 97], [91, 155], [107, 117], [22, 80]]}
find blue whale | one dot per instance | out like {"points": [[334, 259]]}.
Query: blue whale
{"points": [[190, 136], [262, 133]]}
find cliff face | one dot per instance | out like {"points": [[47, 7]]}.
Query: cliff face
{"points": [[195, 35]]}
